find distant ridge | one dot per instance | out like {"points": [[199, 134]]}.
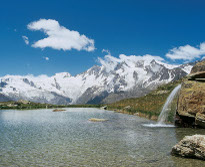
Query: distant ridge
{"points": [[100, 84]]}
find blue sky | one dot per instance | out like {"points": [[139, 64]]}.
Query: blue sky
{"points": [[130, 27]]}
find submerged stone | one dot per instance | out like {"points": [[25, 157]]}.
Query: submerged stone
{"points": [[58, 110], [97, 120]]}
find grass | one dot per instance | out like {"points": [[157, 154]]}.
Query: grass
{"points": [[31, 105], [148, 106]]}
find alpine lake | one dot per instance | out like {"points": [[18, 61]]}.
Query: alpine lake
{"points": [[68, 138]]}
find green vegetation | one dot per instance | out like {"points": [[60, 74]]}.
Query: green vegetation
{"points": [[26, 105], [148, 106], [85, 105]]}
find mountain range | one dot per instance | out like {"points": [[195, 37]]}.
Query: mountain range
{"points": [[114, 79]]}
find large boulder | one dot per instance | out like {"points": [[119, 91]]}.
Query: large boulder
{"points": [[191, 103], [191, 147]]}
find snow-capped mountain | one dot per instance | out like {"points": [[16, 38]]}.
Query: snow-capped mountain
{"points": [[114, 79]]}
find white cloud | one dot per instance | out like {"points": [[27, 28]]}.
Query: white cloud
{"points": [[186, 52], [46, 58], [60, 37], [25, 38], [106, 51]]}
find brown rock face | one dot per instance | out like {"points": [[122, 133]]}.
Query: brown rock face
{"points": [[199, 67], [191, 146], [191, 104]]}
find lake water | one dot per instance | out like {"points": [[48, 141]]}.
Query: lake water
{"points": [[46, 138]]}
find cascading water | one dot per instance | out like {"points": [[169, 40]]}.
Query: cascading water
{"points": [[164, 113]]}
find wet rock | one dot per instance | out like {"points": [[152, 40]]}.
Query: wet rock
{"points": [[200, 119], [103, 108], [191, 147]]}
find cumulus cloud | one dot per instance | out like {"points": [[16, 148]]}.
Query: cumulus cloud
{"points": [[186, 52], [46, 58], [25, 38], [59, 37], [110, 62]]}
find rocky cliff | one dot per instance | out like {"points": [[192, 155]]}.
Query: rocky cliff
{"points": [[191, 103]]}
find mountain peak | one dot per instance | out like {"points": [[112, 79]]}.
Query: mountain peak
{"points": [[62, 75]]}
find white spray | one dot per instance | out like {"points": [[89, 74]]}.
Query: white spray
{"points": [[164, 113]]}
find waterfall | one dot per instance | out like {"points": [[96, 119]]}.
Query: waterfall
{"points": [[164, 113]]}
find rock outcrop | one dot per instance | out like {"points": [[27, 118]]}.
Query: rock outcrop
{"points": [[191, 147], [103, 108], [191, 103]]}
